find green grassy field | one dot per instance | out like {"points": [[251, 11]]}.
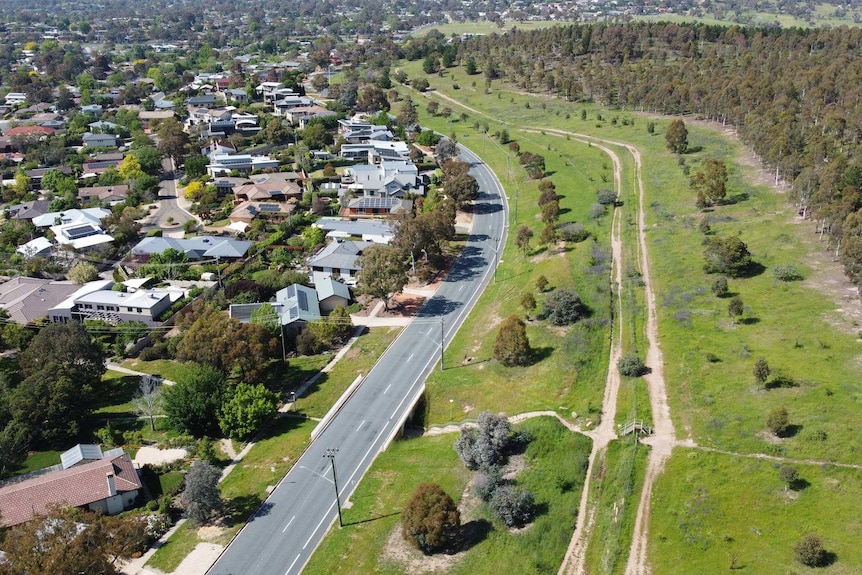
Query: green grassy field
{"points": [[709, 358], [711, 508], [370, 543], [483, 27], [617, 482]]}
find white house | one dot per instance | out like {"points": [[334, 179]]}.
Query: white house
{"points": [[222, 164], [15, 98], [375, 151]]}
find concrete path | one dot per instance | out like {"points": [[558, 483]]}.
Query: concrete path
{"points": [[113, 366]]}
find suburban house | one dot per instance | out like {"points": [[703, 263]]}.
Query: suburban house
{"points": [[15, 98], [206, 100], [361, 131], [92, 216], [196, 248], [248, 211], [100, 163], [39, 247], [87, 477], [377, 231], [103, 127], [377, 206], [80, 236], [223, 164], [279, 187], [29, 299], [37, 174], [144, 305], [301, 115], [284, 105], [386, 179], [221, 122], [296, 305], [339, 259], [150, 117], [331, 293], [109, 194], [375, 151], [29, 210], [237, 95], [92, 140]]}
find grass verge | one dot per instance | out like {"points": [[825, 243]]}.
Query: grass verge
{"points": [[554, 472]]}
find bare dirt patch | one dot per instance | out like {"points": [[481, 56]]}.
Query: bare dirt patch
{"points": [[412, 561], [210, 532]]}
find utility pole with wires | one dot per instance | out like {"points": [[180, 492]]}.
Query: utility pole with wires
{"points": [[329, 453]]}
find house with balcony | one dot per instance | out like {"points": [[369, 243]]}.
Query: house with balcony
{"points": [[376, 151], [114, 307], [386, 179], [223, 164]]}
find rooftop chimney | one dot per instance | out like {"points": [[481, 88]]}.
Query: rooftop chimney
{"points": [[112, 487]]}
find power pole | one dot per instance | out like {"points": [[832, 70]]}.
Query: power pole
{"points": [[329, 453], [442, 336]]}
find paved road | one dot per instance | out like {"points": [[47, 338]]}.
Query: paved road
{"points": [[281, 537], [168, 208]]}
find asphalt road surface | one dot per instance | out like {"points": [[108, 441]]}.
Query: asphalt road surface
{"points": [[281, 537]]}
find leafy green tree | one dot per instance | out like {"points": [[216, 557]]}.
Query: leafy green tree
{"points": [[710, 182], [463, 188], [788, 474], [173, 140], [528, 301], [676, 137], [761, 371], [193, 403], [83, 272], [266, 316], [778, 421], [512, 347], [735, 307], [431, 520], [201, 498], [727, 256], [551, 212], [249, 407], [631, 365], [315, 136], [523, 237], [408, 115], [719, 287], [383, 273], [541, 283], [55, 544]]}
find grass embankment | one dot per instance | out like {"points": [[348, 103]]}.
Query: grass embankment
{"points": [[370, 543], [359, 360], [711, 511], [570, 363], [615, 491]]}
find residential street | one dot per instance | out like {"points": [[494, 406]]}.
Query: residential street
{"points": [[281, 537]]}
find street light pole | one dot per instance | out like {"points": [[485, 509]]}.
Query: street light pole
{"points": [[329, 453]]}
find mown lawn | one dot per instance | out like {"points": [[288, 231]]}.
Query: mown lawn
{"points": [[710, 509], [554, 473]]}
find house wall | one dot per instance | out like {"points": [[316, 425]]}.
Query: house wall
{"points": [[332, 302], [115, 504]]}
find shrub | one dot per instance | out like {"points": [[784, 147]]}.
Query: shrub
{"points": [[513, 505], [486, 446], [630, 365], [201, 497], [606, 197], [430, 521], [761, 371], [487, 482], [573, 232], [787, 273], [563, 307], [810, 552], [728, 256], [778, 421], [719, 287]]}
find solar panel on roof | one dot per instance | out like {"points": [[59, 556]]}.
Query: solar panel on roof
{"points": [[303, 300], [270, 208], [80, 232]]}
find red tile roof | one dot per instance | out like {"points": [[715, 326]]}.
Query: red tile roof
{"points": [[28, 130], [76, 486]]}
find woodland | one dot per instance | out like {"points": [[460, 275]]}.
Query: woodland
{"points": [[793, 95]]}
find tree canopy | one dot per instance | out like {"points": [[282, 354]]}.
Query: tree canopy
{"points": [[430, 520]]}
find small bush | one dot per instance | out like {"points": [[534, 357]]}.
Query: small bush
{"points": [[606, 197], [513, 505], [563, 307], [430, 521], [574, 232], [630, 365], [487, 482], [778, 421], [810, 552], [719, 287], [787, 273]]}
